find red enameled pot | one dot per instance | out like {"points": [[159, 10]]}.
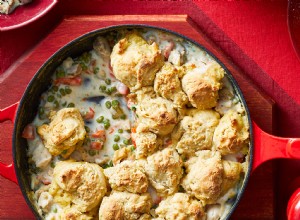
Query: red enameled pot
{"points": [[263, 146]]}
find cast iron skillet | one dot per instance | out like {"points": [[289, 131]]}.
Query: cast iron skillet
{"points": [[262, 145]]}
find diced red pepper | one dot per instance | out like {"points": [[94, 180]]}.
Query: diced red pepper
{"points": [[133, 130], [90, 114], [74, 81], [28, 132], [99, 134], [96, 145]]}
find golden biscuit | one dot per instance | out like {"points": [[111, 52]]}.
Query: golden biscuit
{"points": [[180, 206], [80, 183], [64, 133], [204, 176], [164, 170], [195, 131], [232, 133], [127, 176], [167, 84], [202, 88], [124, 205], [135, 62]]}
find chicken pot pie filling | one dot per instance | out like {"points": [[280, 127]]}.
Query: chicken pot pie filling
{"points": [[145, 126]]}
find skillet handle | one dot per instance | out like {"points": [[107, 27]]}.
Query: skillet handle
{"points": [[267, 147], [293, 207], [8, 171]]}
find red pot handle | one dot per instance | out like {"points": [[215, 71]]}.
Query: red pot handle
{"points": [[267, 147], [8, 171], [293, 208]]}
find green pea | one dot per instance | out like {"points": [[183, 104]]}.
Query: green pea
{"points": [[115, 116], [60, 73], [55, 210], [133, 108], [102, 88], [120, 131], [64, 104], [92, 152], [113, 89], [132, 148], [87, 129], [115, 103], [50, 98], [106, 123], [68, 90], [56, 104], [52, 164], [126, 141], [108, 91], [96, 70], [123, 117], [100, 119], [116, 147], [71, 105], [108, 104], [83, 66], [108, 81], [62, 91], [117, 138]]}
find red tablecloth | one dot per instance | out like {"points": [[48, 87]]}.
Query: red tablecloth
{"points": [[256, 30]]}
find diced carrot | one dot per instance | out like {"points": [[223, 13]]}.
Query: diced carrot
{"points": [[90, 114], [96, 145], [28, 132], [133, 129], [74, 81], [99, 134]]}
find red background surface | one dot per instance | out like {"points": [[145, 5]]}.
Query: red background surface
{"points": [[254, 34]]}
